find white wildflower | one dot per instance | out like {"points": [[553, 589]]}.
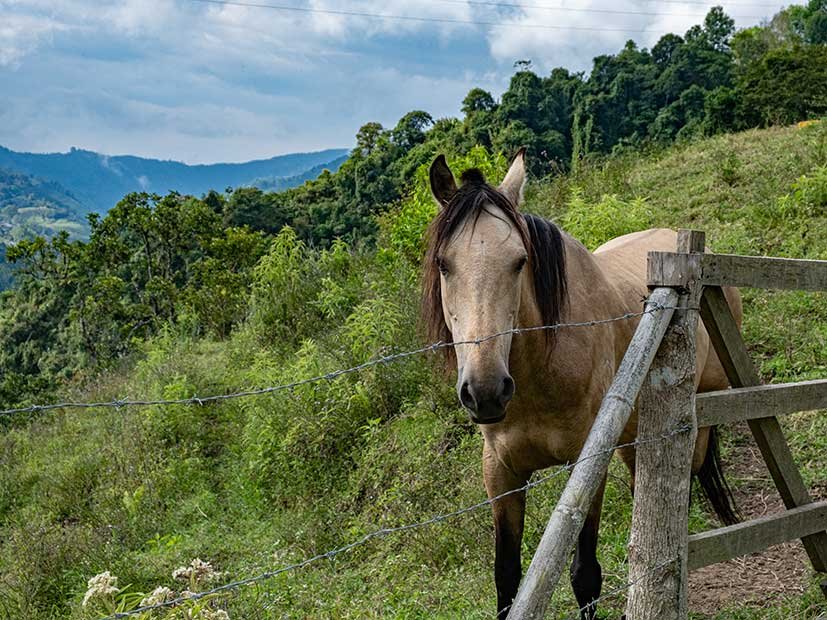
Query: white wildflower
{"points": [[206, 614], [203, 571], [100, 585], [198, 572], [159, 595]]}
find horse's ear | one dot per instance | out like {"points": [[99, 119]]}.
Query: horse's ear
{"points": [[514, 182], [443, 185]]}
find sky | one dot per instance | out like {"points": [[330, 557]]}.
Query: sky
{"points": [[203, 81]]}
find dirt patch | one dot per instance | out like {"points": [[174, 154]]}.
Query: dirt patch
{"points": [[760, 579]]}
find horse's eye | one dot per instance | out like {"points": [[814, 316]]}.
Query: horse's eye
{"points": [[443, 268], [521, 263]]}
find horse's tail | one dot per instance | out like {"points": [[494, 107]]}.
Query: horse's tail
{"points": [[714, 485]]}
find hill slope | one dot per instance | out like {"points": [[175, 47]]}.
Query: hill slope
{"points": [[31, 206], [98, 181], [277, 184], [258, 483]]}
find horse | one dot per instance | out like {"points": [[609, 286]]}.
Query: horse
{"points": [[488, 269]]}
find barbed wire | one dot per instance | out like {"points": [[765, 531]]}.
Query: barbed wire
{"points": [[431, 348], [382, 532]]}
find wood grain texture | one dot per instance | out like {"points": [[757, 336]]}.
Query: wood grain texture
{"points": [[760, 401], [741, 271], [763, 272], [660, 515], [735, 540], [731, 350]]}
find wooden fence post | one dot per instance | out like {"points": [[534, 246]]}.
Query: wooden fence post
{"points": [[553, 553], [659, 540]]}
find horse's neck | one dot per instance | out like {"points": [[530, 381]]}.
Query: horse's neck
{"points": [[591, 296]]}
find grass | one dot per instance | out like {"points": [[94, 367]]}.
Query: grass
{"points": [[259, 483]]}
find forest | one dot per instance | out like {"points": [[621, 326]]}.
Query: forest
{"points": [[176, 296], [154, 260]]}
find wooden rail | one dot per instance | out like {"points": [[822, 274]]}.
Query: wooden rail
{"points": [[756, 535], [669, 268], [760, 401]]}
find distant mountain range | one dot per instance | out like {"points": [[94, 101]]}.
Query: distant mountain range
{"points": [[45, 193], [96, 182]]}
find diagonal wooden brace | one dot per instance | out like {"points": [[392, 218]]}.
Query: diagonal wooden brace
{"points": [[731, 350]]}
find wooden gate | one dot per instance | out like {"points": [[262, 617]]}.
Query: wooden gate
{"points": [[702, 276]]}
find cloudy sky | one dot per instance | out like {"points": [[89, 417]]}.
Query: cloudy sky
{"points": [[205, 81]]}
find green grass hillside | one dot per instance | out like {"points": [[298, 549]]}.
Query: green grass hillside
{"points": [[258, 483]]}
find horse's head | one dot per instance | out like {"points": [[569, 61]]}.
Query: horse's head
{"points": [[478, 270]]}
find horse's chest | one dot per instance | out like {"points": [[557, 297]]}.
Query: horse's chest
{"points": [[526, 447]]}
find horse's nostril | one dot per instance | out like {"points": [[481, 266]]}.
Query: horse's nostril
{"points": [[466, 397], [507, 390]]}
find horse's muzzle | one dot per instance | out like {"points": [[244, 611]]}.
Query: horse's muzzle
{"points": [[486, 405]]}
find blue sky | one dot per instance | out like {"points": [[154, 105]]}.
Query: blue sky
{"points": [[202, 82]]}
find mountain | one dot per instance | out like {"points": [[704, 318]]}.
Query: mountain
{"points": [[98, 181], [277, 184], [32, 206]]}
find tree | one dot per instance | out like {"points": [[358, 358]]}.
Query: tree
{"points": [[816, 29], [478, 100], [521, 102], [367, 137], [788, 85], [719, 110], [664, 51], [410, 130], [718, 29], [750, 45]]}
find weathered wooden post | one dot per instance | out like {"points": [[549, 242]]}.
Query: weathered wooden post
{"points": [[554, 551], [659, 541]]}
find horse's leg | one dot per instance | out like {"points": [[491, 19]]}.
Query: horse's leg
{"points": [[509, 513], [586, 575]]}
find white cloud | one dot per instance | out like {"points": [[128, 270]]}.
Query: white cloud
{"points": [[206, 82], [582, 29], [20, 34]]}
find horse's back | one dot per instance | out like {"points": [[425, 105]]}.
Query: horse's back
{"points": [[623, 259]]}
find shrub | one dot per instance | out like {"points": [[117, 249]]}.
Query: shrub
{"points": [[611, 217]]}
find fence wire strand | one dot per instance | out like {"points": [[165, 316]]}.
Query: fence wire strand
{"points": [[431, 348], [382, 532]]}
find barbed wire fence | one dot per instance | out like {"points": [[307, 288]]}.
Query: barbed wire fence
{"points": [[386, 531], [394, 357], [232, 586]]}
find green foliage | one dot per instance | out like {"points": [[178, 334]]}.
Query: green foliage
{"points": [[610, 217], [786, 86], [151, 261], [257, 483], [176, 296], [295, 287]]}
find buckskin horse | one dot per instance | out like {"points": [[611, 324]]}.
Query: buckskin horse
{"points": [[490, 268]]}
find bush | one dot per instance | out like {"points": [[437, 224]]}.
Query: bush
{"points": [[611, 217]]}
